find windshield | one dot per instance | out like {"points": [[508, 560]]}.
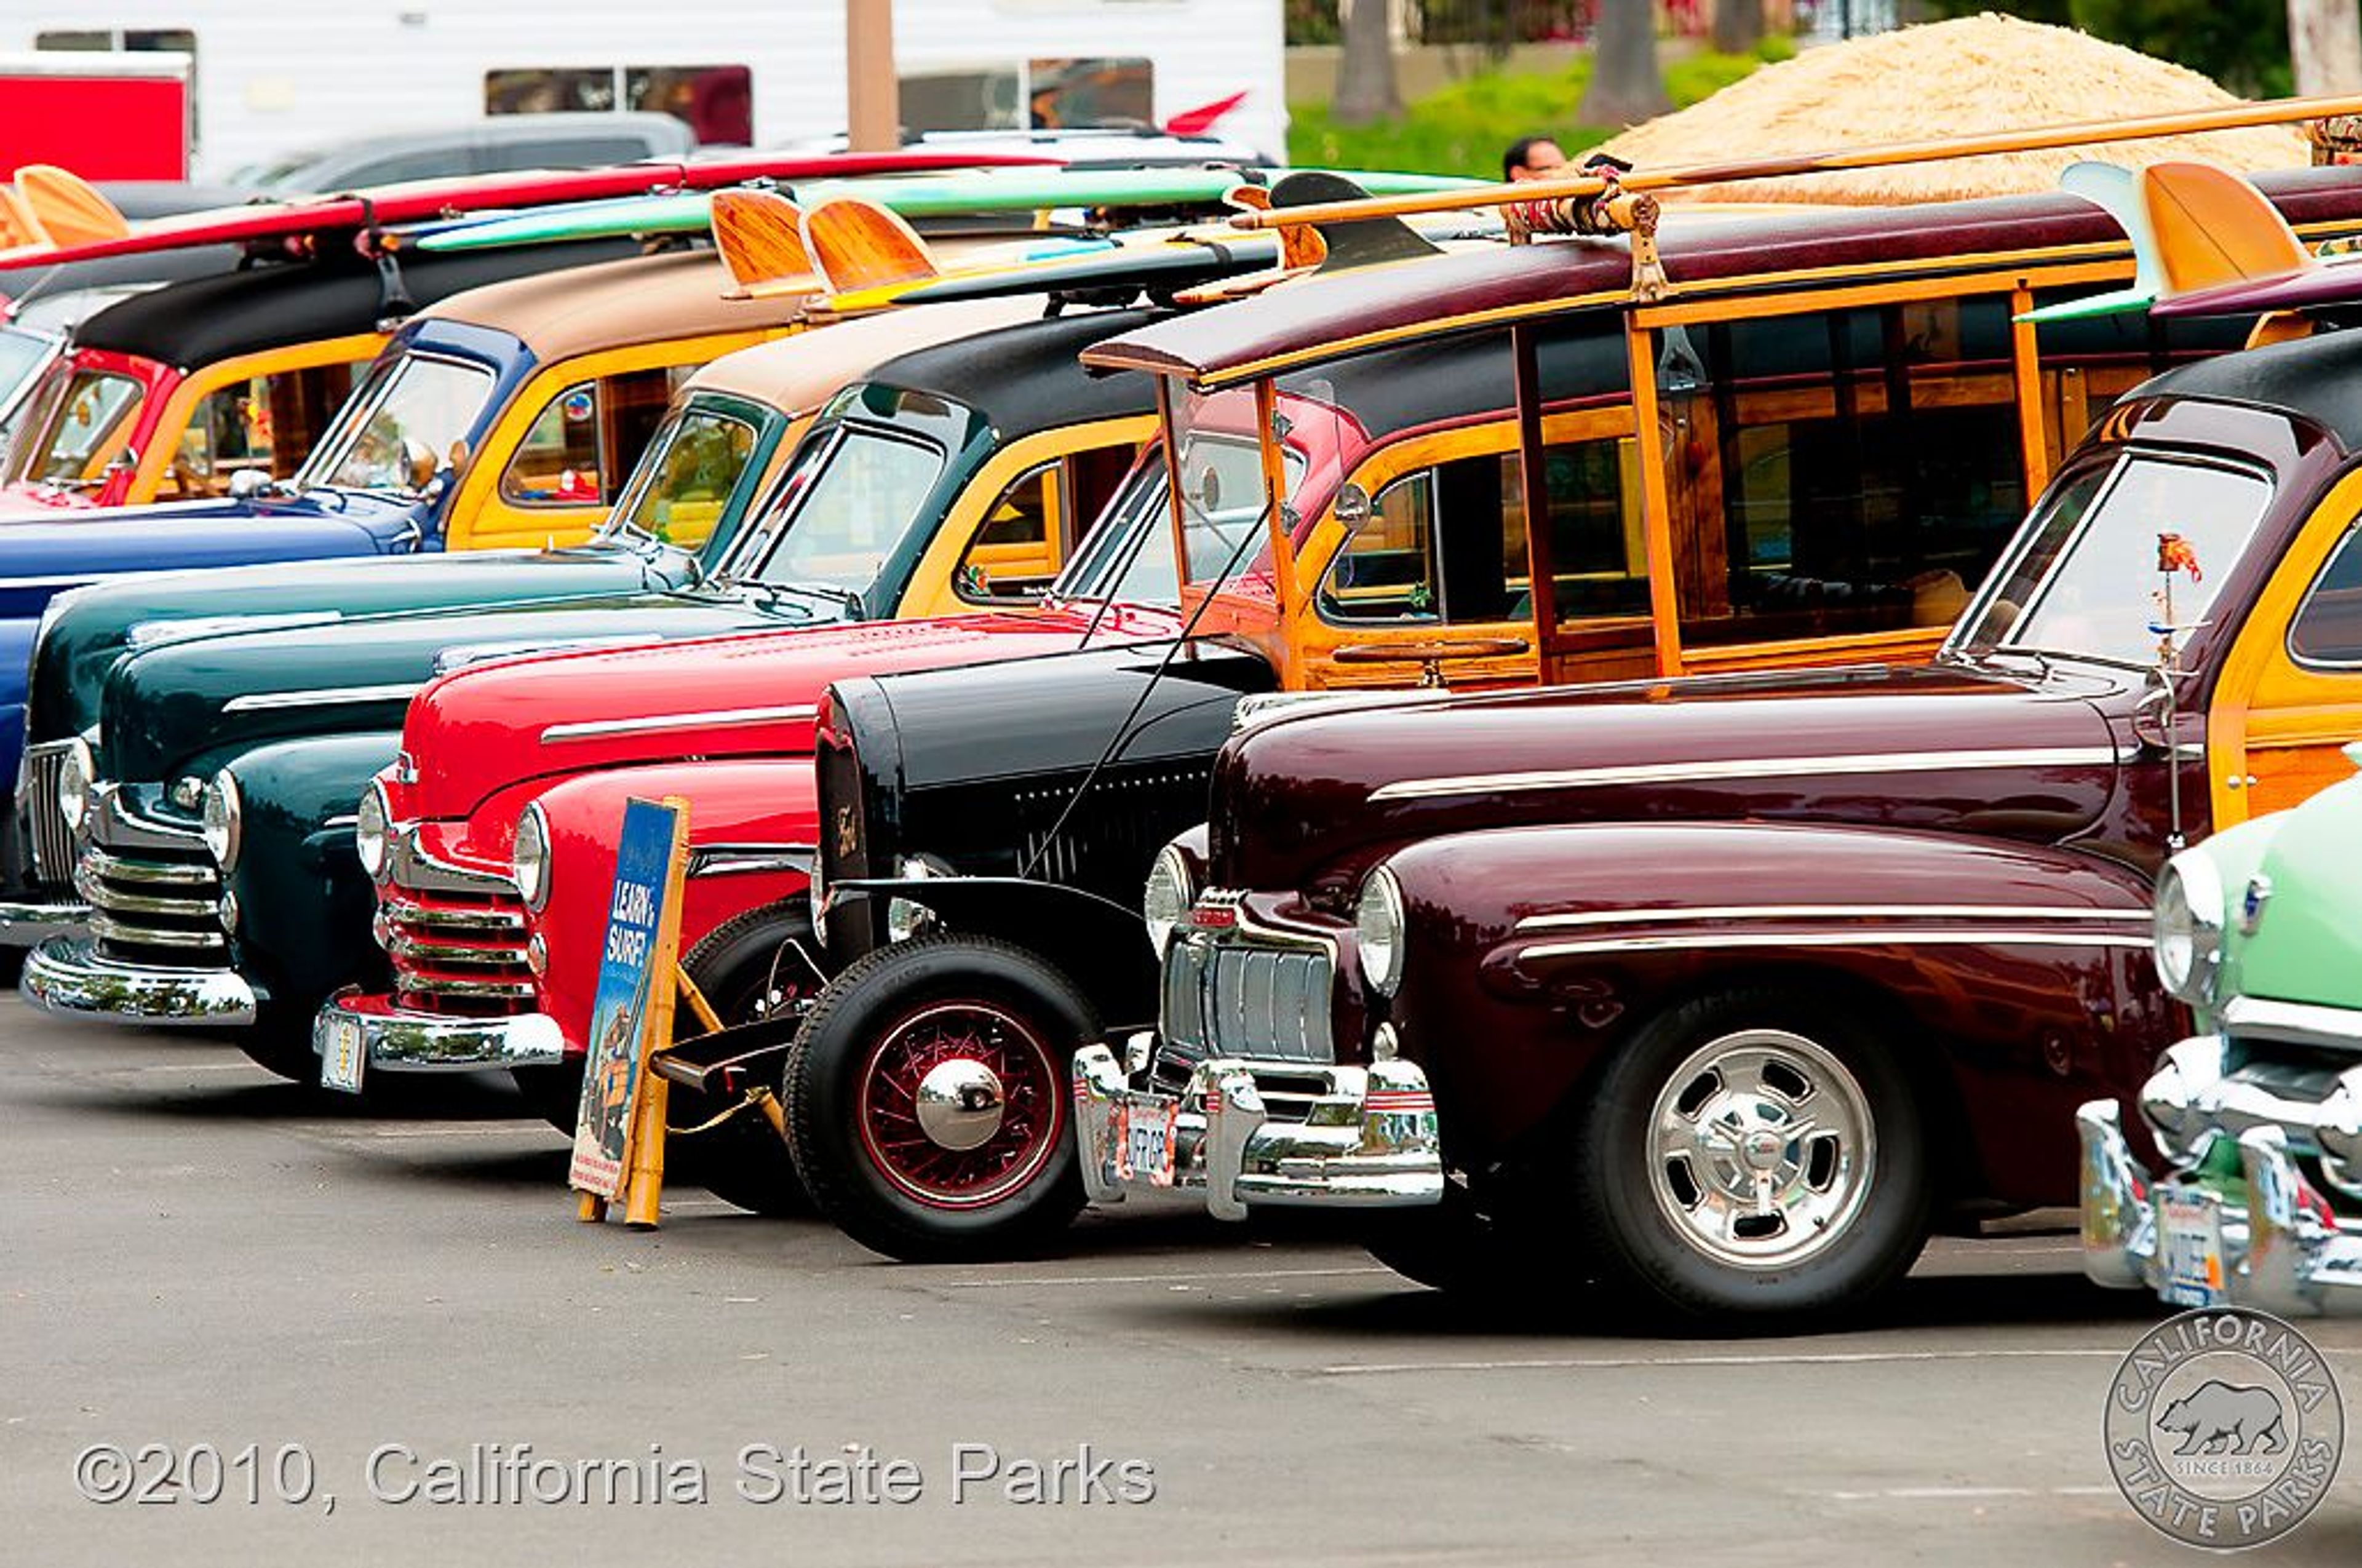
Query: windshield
{"points": [[22, 355], [2113, 551], [1223, 503], [408, 421], [856, 502], [692, 469], [1128, 554], [77, 421]]}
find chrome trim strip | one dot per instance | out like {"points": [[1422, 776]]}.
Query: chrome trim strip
{"points": [[65, 976], [440, 953], [106, 900], [1932, 938], [747, 860], [109, 929], [9, 583], [1746, 767], [112, 823], [479, 990], [160, 873], [1825, 912], [492, 922], [408, 866], [2293, 1023], [326, 697], [720, 718]]}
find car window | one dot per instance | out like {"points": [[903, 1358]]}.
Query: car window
{"points": [[267, 423], [860, 504], [690, 476], [83, 420], [582, 444], [415, 424], [1015, 554], [2328, 625]]}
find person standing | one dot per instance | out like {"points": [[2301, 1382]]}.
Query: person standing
{"points": [[1532, 157]]}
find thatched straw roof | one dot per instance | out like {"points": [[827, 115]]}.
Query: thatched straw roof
{"points": [[1956, 78]]}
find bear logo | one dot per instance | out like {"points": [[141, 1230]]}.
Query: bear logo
{"points": [[2225, 1418]]}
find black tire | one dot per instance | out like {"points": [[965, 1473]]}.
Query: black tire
{"points": [[555, 1093], [1453, 1246], [1852, 1229], [1023, 1014], [749, 968], [279, 1041]]}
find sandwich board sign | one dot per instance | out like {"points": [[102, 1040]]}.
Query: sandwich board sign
{"points": [[618, 1137]]}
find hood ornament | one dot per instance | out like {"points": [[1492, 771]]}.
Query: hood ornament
{"points": [[2252, 902]]}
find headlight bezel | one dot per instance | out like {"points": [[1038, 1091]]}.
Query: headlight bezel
{"points": [[1173, 874], [373, 831], [75, 774], [529, 858], [221, 820], [2187, 927], [1379, 930]]}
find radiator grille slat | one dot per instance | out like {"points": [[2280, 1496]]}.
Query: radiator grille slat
{"points": [[154, 906], [1237, 997], [50, 841]]}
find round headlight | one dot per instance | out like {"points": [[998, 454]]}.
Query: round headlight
{"points": [[371, 825], [1167, 899], [75, 775], [221, 815], [1378, 922], [530, 861], [2189, 929]]}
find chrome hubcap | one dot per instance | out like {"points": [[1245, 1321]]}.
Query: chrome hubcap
{"points": [[1762, 1149], [960, 1104]]}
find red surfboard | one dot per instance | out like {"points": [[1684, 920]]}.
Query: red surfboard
{"points": [[435, 198]]}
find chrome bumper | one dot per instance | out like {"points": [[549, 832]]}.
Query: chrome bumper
{"points": [[1366, 1140], [2283, 1249], [29, 924], [64, 975], [398, 1040]]}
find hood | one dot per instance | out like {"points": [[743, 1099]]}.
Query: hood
{"points": [[2299, 941], [47, 552], [26, 499], [1938, 746], [176, 707], [478, 730], [89, 628]]}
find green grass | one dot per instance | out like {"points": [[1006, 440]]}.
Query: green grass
{"points": [[1464, 128]]}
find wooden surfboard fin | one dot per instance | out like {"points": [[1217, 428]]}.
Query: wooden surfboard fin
{"points": [[858, 245], [21, 226], [760, 237], [69, 209], [2211, 227]]}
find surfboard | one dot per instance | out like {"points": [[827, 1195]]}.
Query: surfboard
{"points": [[759, 236], [2229, 252], [69, 210], [2110, 187], [418, 201], [959, 196]]}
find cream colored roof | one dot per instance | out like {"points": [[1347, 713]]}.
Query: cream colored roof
{"points": [[614, 304], [799, 374], [1957, 78]]}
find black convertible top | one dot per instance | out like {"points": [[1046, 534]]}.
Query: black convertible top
{"points": [[204, 320], [2317, 378], [1028, 377]]}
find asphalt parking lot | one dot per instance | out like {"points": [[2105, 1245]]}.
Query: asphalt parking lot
{"points": [[391, 1301]]}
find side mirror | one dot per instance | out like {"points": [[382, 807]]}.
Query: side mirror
{"points": [[417, 463], [1353, 507], [245, 484], [125, 461]]}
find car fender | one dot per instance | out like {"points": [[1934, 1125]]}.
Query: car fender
{"points": [[750, 829], [1101, 945], [2013, 982], [304, 903]]}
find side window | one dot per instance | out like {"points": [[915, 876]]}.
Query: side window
{"points": [[583, 443], [1448, 544], [1015, 553], [1838, 473], [267, 423], [2328, 624], [557, 464]]}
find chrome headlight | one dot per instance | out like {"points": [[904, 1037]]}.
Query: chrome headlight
{"points": [[222, 820], [529, 862], [75, 775], [371, 825], [1167, 899], [1378, 924], [2189, 929]]}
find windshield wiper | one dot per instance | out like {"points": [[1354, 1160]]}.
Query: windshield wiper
{"points": [[844, 598]]}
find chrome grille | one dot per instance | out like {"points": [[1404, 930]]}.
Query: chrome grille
{"points": [[156, 906], [1231, 998], [45, 833], [456, 953]]}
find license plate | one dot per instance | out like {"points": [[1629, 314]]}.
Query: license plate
{"points": [[2190, 1246], [342, 1058], [1148, 1143]]}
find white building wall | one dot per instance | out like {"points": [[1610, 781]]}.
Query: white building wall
{"points": [[278, 75]]}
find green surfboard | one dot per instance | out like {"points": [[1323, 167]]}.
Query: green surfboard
{"points": [[955, 195]]}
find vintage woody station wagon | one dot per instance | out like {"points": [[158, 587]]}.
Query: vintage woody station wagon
{"points": [[1724, 989], [1833, 432]]}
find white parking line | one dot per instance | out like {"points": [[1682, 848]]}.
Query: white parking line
{"points": [[1970, 1494], [1799, 1358]]}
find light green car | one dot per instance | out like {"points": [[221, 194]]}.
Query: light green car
{"points": [[2257, 1118]]}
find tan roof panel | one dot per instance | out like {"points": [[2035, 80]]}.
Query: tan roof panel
{"points": [[800, 372], [614, 304]]}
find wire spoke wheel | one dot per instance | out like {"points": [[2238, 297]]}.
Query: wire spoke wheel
{"points": [[1762, 1149], [961, 1104]]}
